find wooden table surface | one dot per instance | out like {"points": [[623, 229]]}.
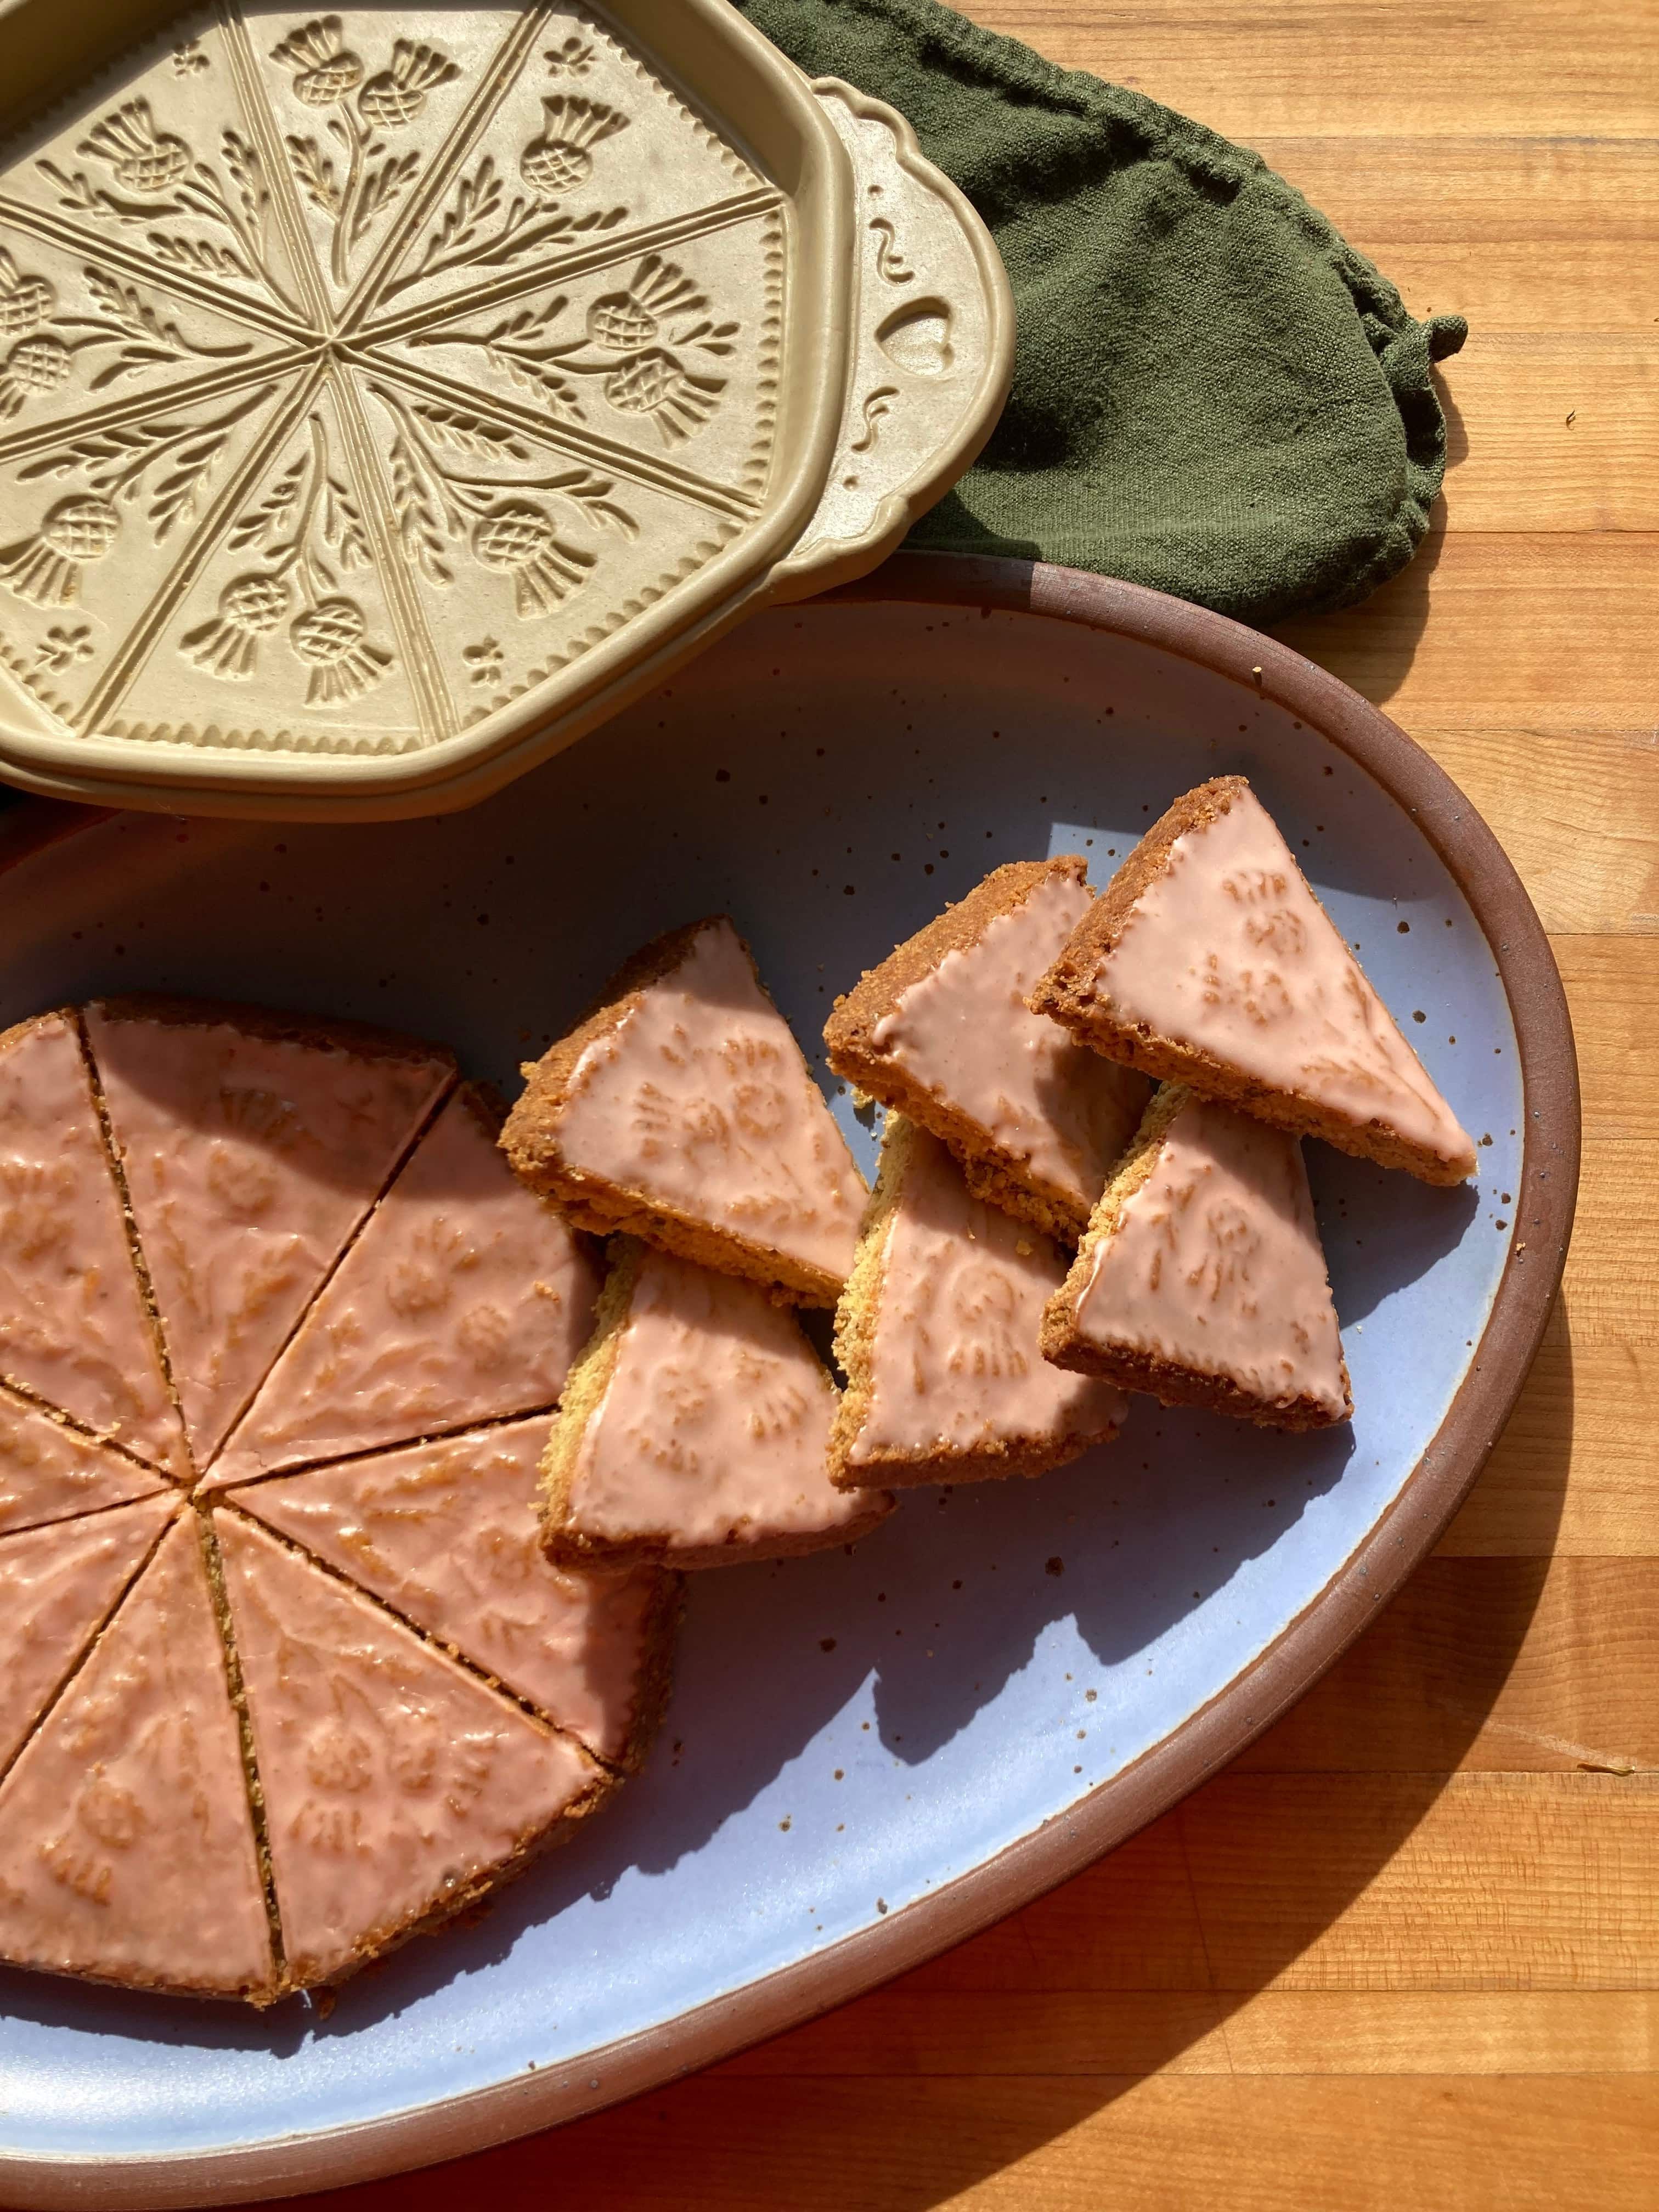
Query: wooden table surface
{"points": [[1406, 1952]]}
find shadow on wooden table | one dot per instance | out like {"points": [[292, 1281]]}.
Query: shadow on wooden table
{"points": [[1130, 1970]]}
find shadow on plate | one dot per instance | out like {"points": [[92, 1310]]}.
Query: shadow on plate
{"points": [[892, 2136]]}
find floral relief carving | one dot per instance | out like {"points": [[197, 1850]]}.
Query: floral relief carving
{"points": [[154, 175], [132, 328], [440, 501], [306, 214], [637, 373], [358, 107], [306, 533]]}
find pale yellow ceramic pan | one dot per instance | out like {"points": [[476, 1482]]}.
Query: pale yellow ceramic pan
{"points": [[387, 397]]}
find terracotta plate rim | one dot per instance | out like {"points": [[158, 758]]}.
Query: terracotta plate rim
{"points": [[1282, 1673]]}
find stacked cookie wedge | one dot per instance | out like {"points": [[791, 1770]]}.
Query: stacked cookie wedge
{"points": [[1022, 1030], [681, 1119]]}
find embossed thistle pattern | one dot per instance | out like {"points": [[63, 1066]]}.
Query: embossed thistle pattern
{"points": [[241, 306]]}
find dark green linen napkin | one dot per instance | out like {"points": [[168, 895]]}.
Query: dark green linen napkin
{"points": [[1213, 394]]}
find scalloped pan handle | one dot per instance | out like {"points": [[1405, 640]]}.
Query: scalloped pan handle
{"points": [[931, 356]]}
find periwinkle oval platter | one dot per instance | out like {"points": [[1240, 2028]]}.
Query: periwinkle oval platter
{"points": [[866, 1757]]}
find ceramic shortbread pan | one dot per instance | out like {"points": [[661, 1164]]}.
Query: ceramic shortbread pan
{"points": [[387, 397]]}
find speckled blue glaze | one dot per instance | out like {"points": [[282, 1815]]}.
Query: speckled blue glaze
{"points": [[847, 1733]]}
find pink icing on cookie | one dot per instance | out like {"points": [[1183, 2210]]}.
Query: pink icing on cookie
{"points": [[448, 1533], [48, 1472], [58, 1585], [392, 1777], [955, 1363], [1216, 1264], [965, 1033], [465, 1298], [72, 1329], [1229, 952], [701, 1099], [126, 1846], [714, 1425], [250, 1160]]}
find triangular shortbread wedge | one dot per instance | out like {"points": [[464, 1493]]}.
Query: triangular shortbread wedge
{"points": [[127, 1851], [1208, 960], [398, 1788], [73, 1328], [252, 1144], [49, 1472], [683, 1111], [941, 1032], [938, 1334], [448, 1536], [58, 1586], [1202, 1279], [694, 1428], [465, 1298]]}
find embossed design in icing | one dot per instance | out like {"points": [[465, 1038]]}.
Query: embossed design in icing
{"points": [[327, 226], [411, 1384]]}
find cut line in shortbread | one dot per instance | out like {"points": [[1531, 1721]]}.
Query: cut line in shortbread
{"points": [[464, 1299], [1208, 960], [142, 1716], [447, 1534], [694, 1428], [74, 1331], [940, 1031], [937, 1332], [1201, 1279], [127, 1848], [683, 1111], [58, 1584], [251, 1144], [398, 1789]]}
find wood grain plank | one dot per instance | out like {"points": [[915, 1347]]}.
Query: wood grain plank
{"points": [[907, 2032], [1444, 2032], [901, 2033], [1555, 432], [1304, 68], [1573, 810], [1459, 2144], [1554, 194], [1497, 1664], [1496, 630], [1575, 1472], [1403, 1881], [1130, 1922], [1528, 288]]}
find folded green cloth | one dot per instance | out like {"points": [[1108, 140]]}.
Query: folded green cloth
{"points": [[1213, 394]]}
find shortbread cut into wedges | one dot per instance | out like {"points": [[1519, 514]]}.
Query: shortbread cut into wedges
{"points": [[1208, 960], [683, 1111], [430, 1699], [252, 1144], [1202, 1280], [941, 1031], [49, 1472], [938, 1334], [74, 1330], [58, 1586], [448, 1536], [127, 1850], [695, 1428], [465, 1298], [398, 1788]]}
